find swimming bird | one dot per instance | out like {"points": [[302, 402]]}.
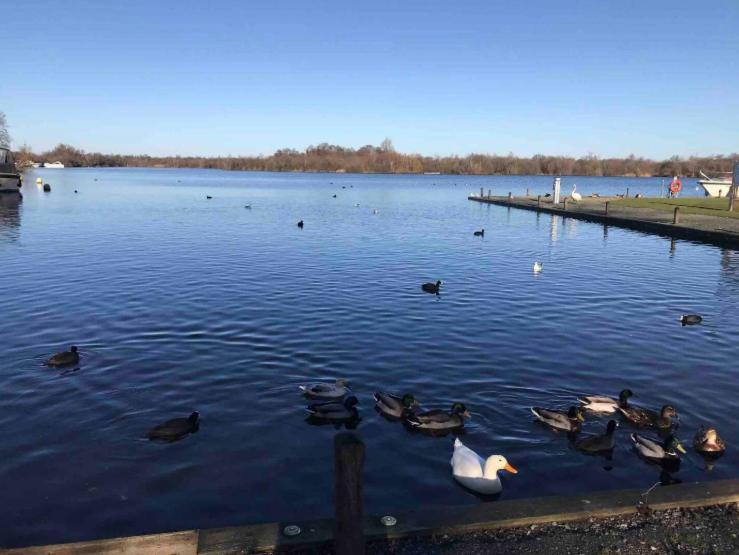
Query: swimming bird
{"points": [[600, 442], [432, 288], [547, 195], [569, 421], [322, 390], [375, 211], [175, 429], [75, 191], [208, 197], [334, 196], [574, 195], [480, 233], [648, 418], [394, 406], [64, 358], [606, 405], [438, 419], [690, 319], [476, 473], [708, 442], [247, 206], [538, 267], [300, 224], [651, 448], [357, 205], [335, 410]]}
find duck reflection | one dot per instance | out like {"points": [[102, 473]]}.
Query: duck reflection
{"points": [[10, 215]]}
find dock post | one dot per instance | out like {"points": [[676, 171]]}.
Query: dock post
{"points": [[676, 216], [349, 464], [481, 192], [538, 201], [510, 196], [627, 192], [606, 208], [527, 192], [564, 201], [490, 193]]}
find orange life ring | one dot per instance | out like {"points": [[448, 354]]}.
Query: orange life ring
{"points": [[675, 186]]}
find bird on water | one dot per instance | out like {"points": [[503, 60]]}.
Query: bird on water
{"points": [[480, 233], [175, 429], [432, 288], [64, 358], [321, 390], [438, 419], [300, 224], [690, 319]]}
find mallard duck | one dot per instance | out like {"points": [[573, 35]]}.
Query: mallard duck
{"points": [[605, 405], [301, 224], [438, 419], [208, 197], [432, 288], [600, 442], [394, 406], [707, 441], [569, 421], [480, 233], [690, 319], [653, 449], [648, 418], [335, 410], [64, 358], [175, 429], [476, 473], [321, 390]]}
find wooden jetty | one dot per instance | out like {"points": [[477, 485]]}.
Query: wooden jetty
{"points": [[718, 230]]}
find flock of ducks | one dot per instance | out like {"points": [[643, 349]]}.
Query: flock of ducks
{"points": [[334, 403]]}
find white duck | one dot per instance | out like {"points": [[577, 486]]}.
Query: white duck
{"points": [[476, 473], [538, 267], [575, 195]]}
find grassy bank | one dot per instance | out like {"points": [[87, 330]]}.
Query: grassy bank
{"points": [[704, 206]]}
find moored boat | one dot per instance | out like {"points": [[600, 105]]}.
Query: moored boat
{"points": [[54, 165], [10, 179], [717, 186]]}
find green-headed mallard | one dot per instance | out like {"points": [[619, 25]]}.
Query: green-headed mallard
{"points": [[599, 443], [432, 288], [438, 419], [64, 358], [175, 429], [605, 405], [394, 406], [646, 418], [335, 410], [569, 421], [708, 442], [654, 449], [327, 391]]}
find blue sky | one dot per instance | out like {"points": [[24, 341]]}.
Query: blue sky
{"points": [[214, 77]]}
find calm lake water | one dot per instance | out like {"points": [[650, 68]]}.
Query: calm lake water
{"points": [[179, 303]]}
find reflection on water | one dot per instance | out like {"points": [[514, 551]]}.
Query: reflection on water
{"points": [[10, 215], [182, 304]]}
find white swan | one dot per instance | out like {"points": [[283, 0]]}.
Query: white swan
{"points": [[538, 267], [575, 195], [476, 473]]}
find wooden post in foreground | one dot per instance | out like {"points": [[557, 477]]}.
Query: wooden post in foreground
{"points": [[676, 216], [734, 185], [606, 208], [348, 467], [564, 200]]}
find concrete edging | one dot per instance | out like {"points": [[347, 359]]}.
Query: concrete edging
{"points": [[427, 521], [679, 231]]}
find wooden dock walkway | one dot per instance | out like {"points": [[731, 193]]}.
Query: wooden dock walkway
{"points": [[717, 230]]}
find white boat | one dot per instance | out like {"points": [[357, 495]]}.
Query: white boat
{"points": [[54, 165], [10, 179], [717, 186]]}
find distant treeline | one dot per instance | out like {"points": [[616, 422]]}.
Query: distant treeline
{"points": [[384, 159]]}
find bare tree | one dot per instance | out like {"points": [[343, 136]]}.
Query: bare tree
{"points": [[4, 134]]}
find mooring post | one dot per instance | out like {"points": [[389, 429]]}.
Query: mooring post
{"points": [[606, 208], [510, 196], [676, 216], [490, 193], [527, 192], [564, 200], [538, 201], [481, 192], [627, 192], [348, 468]]}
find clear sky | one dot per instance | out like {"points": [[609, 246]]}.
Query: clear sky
{"points": [[211, 77]]}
